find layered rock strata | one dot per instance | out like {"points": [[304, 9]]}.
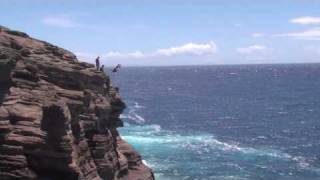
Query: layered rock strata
{"points": [[58, 116]]}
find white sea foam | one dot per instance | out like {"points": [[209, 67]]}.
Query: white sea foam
{"points": [[123, 116], [133, 116], [150, 135], [145, 163], [138, 106], [138, 118], [168, 144], [154, 137]]}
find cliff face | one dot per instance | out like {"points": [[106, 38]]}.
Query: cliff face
{"points": [[58, 116]]}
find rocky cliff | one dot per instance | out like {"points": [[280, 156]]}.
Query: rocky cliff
{"points": [[58, 116]]}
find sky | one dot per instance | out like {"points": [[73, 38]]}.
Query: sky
{"points": [[173, 32]]}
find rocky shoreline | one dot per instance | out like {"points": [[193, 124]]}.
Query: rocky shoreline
{"points": [[59, 116]]}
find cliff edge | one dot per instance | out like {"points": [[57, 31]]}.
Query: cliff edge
{"points": [[58, 116]]}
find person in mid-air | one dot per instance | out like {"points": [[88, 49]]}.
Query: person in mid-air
{"points": [[116, 69], [98, 63]]}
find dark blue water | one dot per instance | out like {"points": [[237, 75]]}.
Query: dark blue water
{"points": [[248, 122]]}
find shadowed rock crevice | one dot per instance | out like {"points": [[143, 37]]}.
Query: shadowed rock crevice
{"points": [[4, 89], [58, 116], [6, 67], [54, 158]]}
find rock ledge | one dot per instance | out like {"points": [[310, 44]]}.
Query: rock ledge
{"points": [[58, 116]]}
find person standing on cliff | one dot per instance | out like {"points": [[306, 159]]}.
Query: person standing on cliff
{"points": [[98, 63]]}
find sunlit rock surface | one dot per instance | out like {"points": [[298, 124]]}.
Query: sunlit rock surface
{"points": [[58, 116]]}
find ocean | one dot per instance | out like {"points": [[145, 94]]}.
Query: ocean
{"points": [[233, 122]]}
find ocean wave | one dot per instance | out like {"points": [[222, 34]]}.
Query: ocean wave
{"points": [[170, 149], [201, 143]]}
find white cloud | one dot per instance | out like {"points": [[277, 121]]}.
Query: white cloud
{"points": [[311, 34], [306, 20], [190, 53], [257, 54], [252, 49], [257, 35], [60, 21], [188, 49]]}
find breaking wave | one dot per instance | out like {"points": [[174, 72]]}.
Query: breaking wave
{"points": [[149, 135], [171, 149]]}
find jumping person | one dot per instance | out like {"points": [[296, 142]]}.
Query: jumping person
{"points": [[98, 63], [116, 68]]}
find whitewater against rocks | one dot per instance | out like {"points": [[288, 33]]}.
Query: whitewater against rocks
{"points": [[59, 116]]}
